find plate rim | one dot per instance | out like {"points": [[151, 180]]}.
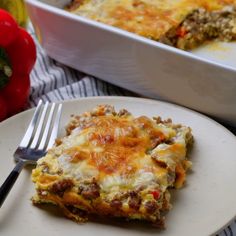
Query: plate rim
{"points": [[131, 98]]}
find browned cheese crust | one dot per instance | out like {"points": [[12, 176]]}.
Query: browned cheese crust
{"points": [[114, 164]]}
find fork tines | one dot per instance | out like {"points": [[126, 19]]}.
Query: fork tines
{"points": [[42, 130]]}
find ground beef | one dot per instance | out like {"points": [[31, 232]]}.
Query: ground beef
{"points": [[201, 26], [74, 4], [151, 206], [115, 203], [76, 211], [61, 186], [123, 112], [135, 200], [91, 191]]}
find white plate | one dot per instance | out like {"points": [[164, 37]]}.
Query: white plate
{"points": [[205, 205]]}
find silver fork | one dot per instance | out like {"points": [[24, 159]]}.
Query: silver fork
{"points": [[40, 135]]}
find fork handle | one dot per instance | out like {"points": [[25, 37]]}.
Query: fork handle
{"points": [[9, 182]]}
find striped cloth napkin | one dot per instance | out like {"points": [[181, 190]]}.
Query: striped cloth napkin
{"points": [[53, 81]]}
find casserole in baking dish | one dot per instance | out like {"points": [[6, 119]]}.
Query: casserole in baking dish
{"points": [[204, 80], [184, 24]]}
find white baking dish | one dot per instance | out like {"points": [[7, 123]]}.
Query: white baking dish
{"points": [[204, 80]]}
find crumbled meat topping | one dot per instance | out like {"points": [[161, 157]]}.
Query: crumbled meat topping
{"points": [[151, 206], [90, 191], [201, 26], [61, 186]]}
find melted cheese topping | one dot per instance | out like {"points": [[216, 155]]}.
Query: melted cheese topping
{"points": [[118, 154], [149, 18], [116, 151]]}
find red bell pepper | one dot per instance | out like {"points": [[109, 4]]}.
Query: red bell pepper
{"points": [[17, 58]]}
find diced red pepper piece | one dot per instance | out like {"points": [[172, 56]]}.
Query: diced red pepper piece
{"points": [[181, 31], [156, 194]]}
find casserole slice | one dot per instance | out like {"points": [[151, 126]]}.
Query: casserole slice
{"points": [[114, 164]]}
